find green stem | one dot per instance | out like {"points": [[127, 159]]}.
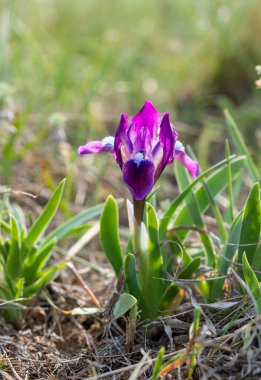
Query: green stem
{"points": [[138, 216]]}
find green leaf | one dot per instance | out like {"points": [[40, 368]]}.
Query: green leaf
{"points": [[133, 283], [175, 204], [76, 221], [46, 216], [151, 278], [109, 234], [230, 185], [38, 260], [45, 278], [124, 304], [172, 290], [250, 230], [158, 364], [241, 146], [226, 256], [19, 287], [189, 269], [13, 262], [131, 276], [252, 283], [4, 226]]}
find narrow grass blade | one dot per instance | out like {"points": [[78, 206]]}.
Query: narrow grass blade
{"points": [[241, 146], [172, 290], [73, 223], [158, 364], [135, 373], [189, 269], [229, 181]]}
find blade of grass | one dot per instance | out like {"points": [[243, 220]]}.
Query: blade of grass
{"points": [[241, 146], [229, 180]]}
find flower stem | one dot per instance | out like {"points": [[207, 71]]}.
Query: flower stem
{"points": [[139, 210], [138, 216]]}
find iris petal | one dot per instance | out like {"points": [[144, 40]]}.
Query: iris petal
{"points": [[147, 117], [139, 177], [97, 146], [191, 165], [119, 136], [166, 139]]}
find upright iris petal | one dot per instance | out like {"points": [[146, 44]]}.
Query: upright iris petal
{"points": [[143, 147], [147, 117], [120, 136]]}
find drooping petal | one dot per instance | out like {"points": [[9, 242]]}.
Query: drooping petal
{"points": [[166, 139], [138, 175], [180, 154], [147, 117], [98, 146], [120, 135]]}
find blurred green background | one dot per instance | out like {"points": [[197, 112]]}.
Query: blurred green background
{"points": [[92, 59]]}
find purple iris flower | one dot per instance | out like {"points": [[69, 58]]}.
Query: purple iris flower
{"points": [[142, 147]]}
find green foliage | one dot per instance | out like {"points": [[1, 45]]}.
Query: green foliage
{"points": [[151, 271], [216, 187], [159, 242], [193, 32], [73, 224], [125, 303], [252, 284], [192, 205], [241, 146], [158, 364], [146, 284], [24, 256], [251, 228], [109, 234]]}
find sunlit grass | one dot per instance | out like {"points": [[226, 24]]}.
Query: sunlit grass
{"points": [[70, 55]]}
